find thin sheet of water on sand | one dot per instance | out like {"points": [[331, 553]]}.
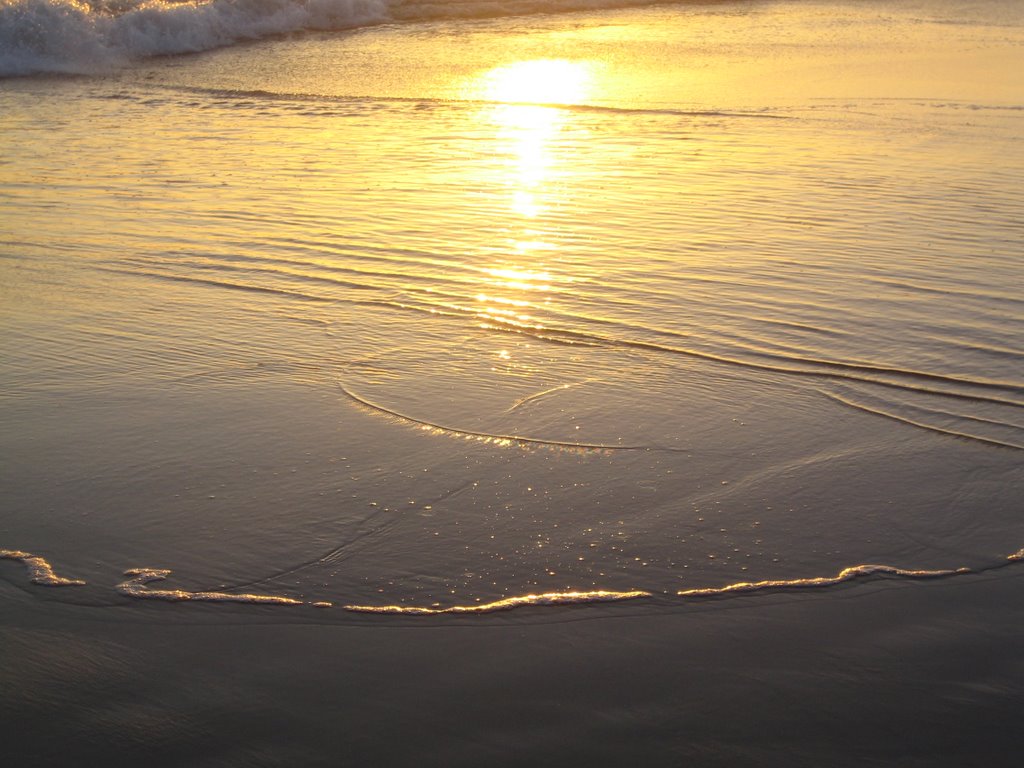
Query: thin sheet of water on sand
{"points": [[693, 394]]}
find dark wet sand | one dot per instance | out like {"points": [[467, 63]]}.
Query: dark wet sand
{"points": [[900, 674]]}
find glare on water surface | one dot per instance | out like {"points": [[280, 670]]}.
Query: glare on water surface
{"points": [[541, 81], [526, 135], [546, 238]]}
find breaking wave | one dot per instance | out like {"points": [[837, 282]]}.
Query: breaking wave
{"points": [[85, 36], [89, 36]]}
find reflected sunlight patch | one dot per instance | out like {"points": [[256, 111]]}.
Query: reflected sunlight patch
{"points": [[525, 279], [542, 81], [525, 97]]}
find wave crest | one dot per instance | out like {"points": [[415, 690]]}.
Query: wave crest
{"points": [[81, 37]]}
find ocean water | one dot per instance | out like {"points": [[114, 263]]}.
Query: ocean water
{"points": [[511, 383]]}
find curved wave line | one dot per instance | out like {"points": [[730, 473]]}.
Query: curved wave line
{"points": [[922, 425], [495, 437], [140, 577], [738, 588], [539, 395], [952, 415], [967, 417], [547, 598], [39, 570], [833, 369], [135, 587], [226, 284], [315, 98], [847, 574], [840, 370]]}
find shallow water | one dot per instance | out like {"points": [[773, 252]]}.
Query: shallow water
{"points": [[667, 309]]}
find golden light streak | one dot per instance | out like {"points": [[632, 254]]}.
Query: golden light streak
{"points": [[530, 162]]}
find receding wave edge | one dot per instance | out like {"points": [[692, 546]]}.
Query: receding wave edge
{"points": [[136, 586]]}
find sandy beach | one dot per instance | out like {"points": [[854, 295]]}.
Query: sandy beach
{"points": [[454, 384]]}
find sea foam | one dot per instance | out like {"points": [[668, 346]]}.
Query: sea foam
{"points": [[93, 36], [39, 569], [73, 36], [139, 578]]}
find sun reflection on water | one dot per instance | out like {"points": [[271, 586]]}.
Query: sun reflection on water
{"points": [[526, 127], [531, 165], [540, 81]]}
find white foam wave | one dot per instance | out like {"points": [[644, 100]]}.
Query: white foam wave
{"points": [[92, 36], [85, 36], [548, 598], [847, 574], [39, 569], [135, 586]]}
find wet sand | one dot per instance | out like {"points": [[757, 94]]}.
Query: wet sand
{"points": [[638, 386], [922, 674]]}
